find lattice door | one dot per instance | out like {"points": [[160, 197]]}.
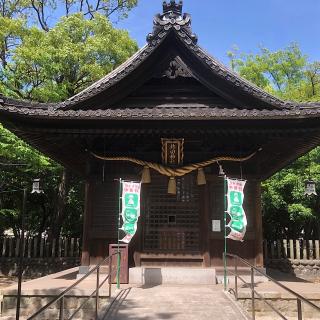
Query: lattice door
{"points": [[172, 221]]}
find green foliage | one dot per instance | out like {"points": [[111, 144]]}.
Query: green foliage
{"points": [[20, 165], [287, 211], [286, 73], [51, 64], [54, 65]]}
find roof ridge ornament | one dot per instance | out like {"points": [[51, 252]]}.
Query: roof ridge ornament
{"points": [[172, 18], [172, 7]]}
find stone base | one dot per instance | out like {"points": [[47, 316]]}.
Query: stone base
{"points": [[31, 304], [180, 276], [285, 304]]}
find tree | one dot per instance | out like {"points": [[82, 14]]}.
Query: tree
{"points": [[286, 73], [288, 212], [46, 12], [54, 65], [51, 65]]}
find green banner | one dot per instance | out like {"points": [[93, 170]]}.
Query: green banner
{"points": [[130, 209], [238, 222]]}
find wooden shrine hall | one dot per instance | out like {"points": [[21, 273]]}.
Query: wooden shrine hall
{"points": [[175, 115]]}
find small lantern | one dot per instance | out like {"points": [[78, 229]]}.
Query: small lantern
{"points": [[36, 186], [310, 188]]}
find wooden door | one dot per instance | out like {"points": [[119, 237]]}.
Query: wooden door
{"points": [[172, 221]]}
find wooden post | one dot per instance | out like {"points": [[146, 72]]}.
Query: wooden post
{"points": [[59, 247], [17, 247], [204, 225], [272, 250], [317, 250], [285, 248], [78, 248], [41, 247], [279, 249], [4, 247], [85, 256], [310, 250], [23, 248], [304, 250], [66, 247], [53, 249], [265, 244], [72, 247], [47, 248], [35, 247], [10, 247], [29, 247], [297, 249], [258, 225], [291, 249]]}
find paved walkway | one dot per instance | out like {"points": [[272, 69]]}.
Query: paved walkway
{"points": [[174, 303]]}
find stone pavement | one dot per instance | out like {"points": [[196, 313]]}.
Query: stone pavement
{"points": [[173, 302]]}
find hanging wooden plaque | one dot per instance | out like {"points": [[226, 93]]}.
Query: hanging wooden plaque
{"points": [[172, 151]]}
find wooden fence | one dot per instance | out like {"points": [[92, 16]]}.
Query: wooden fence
{"points": [[292, 249], [71, 247], [40, 248]]}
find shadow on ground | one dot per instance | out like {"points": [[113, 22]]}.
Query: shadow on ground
{"points": [[284, 276], [114, 310]]}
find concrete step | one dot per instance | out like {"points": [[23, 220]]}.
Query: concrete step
{"points": [[167, 275]]}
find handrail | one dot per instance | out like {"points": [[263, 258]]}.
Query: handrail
{"points": [[254, 292], [98, 286]]}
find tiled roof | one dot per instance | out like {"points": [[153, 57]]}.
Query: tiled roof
{"points": [[181, 26], [163, 112], [267, 107]]}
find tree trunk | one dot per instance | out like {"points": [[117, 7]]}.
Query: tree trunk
{"points": [[60, 205]]}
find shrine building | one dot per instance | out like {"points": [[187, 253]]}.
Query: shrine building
{"points": [[173, 116]]}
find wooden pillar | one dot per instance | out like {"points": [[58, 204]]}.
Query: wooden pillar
{"points": [[258, 226], [204, 225], [85, 257]]}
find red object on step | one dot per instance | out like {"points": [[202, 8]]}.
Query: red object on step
{"points": [[124, 262]]}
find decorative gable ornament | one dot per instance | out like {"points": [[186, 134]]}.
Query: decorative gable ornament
{"points": [[175, 70]]}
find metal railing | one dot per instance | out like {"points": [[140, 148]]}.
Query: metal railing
{"points": [[95, 293], [255, 294]]}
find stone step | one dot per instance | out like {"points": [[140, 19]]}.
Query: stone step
{"points": [[167, 275]]}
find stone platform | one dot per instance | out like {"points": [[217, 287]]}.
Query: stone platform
{"points": [[282, 300], [173, 276], [151, 300], [37, 293]]}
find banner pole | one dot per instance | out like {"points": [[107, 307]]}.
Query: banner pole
{"points": [[225, 232], [119, 224]]}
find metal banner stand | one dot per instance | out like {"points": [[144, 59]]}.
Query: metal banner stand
{"points": [[225, 232], [119, 224]]}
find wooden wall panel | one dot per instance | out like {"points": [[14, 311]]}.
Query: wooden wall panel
{"points": [[105, 210]]}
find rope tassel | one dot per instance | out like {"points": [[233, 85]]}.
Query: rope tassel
{"points": [[146, 177], [172, 186], [201, 177]]}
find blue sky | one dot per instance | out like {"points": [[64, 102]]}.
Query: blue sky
{"points": [[220, 24]]}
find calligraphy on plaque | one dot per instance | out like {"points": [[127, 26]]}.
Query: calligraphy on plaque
{"points": [[172, 151]]}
